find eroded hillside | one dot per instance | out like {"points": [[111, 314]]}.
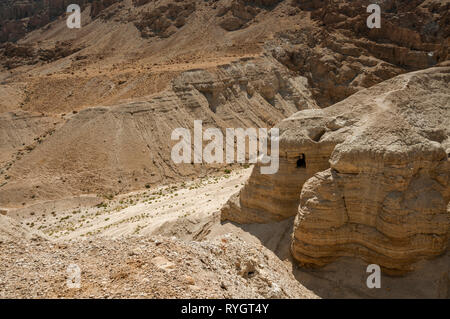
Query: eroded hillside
{"points": [[142, 68], [86, 117]]}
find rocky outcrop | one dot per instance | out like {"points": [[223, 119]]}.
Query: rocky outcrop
{"points": [[274, 197], [17, 18], [343, 55], [164, 20], [20, 17], [99, 5], [373, 176], [238, 14], [15, 55]]}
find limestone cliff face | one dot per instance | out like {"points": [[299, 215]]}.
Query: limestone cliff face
{"points": [[384, 193], [274, 197], [344, 55], [19, 17], [303, 152]]}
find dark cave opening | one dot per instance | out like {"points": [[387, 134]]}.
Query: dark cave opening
{"points": [[301, 162]]}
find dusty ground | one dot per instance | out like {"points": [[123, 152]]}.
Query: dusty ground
{"points": [[159, 210], [118, 246], [144, 267], [168, 242]]}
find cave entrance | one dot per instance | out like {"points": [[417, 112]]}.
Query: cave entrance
{"points": [[301, 162]]}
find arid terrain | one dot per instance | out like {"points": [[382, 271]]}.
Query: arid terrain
{"points": [[87, 178]]}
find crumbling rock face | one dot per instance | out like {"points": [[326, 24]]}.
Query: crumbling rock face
{"points": [[343, 55], [99, 5], [15, 55], [238, 14], [274, 197], [164, 20], [384, 193], [17, 18], [20, 17], [255, 79]]}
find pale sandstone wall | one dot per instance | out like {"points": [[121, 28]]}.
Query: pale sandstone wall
{"points": [[384, 193]]}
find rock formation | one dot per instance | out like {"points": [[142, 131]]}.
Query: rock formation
{"points": [[366, 177], [165, 20], [343, 55], [327, 42], [17, 18], [108, 150]]}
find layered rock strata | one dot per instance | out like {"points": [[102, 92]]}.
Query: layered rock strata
{"points": [[384, 193], [344, 55], [107, 150]]}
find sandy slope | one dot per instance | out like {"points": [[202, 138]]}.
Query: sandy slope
{"points": [[187, 207]]}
